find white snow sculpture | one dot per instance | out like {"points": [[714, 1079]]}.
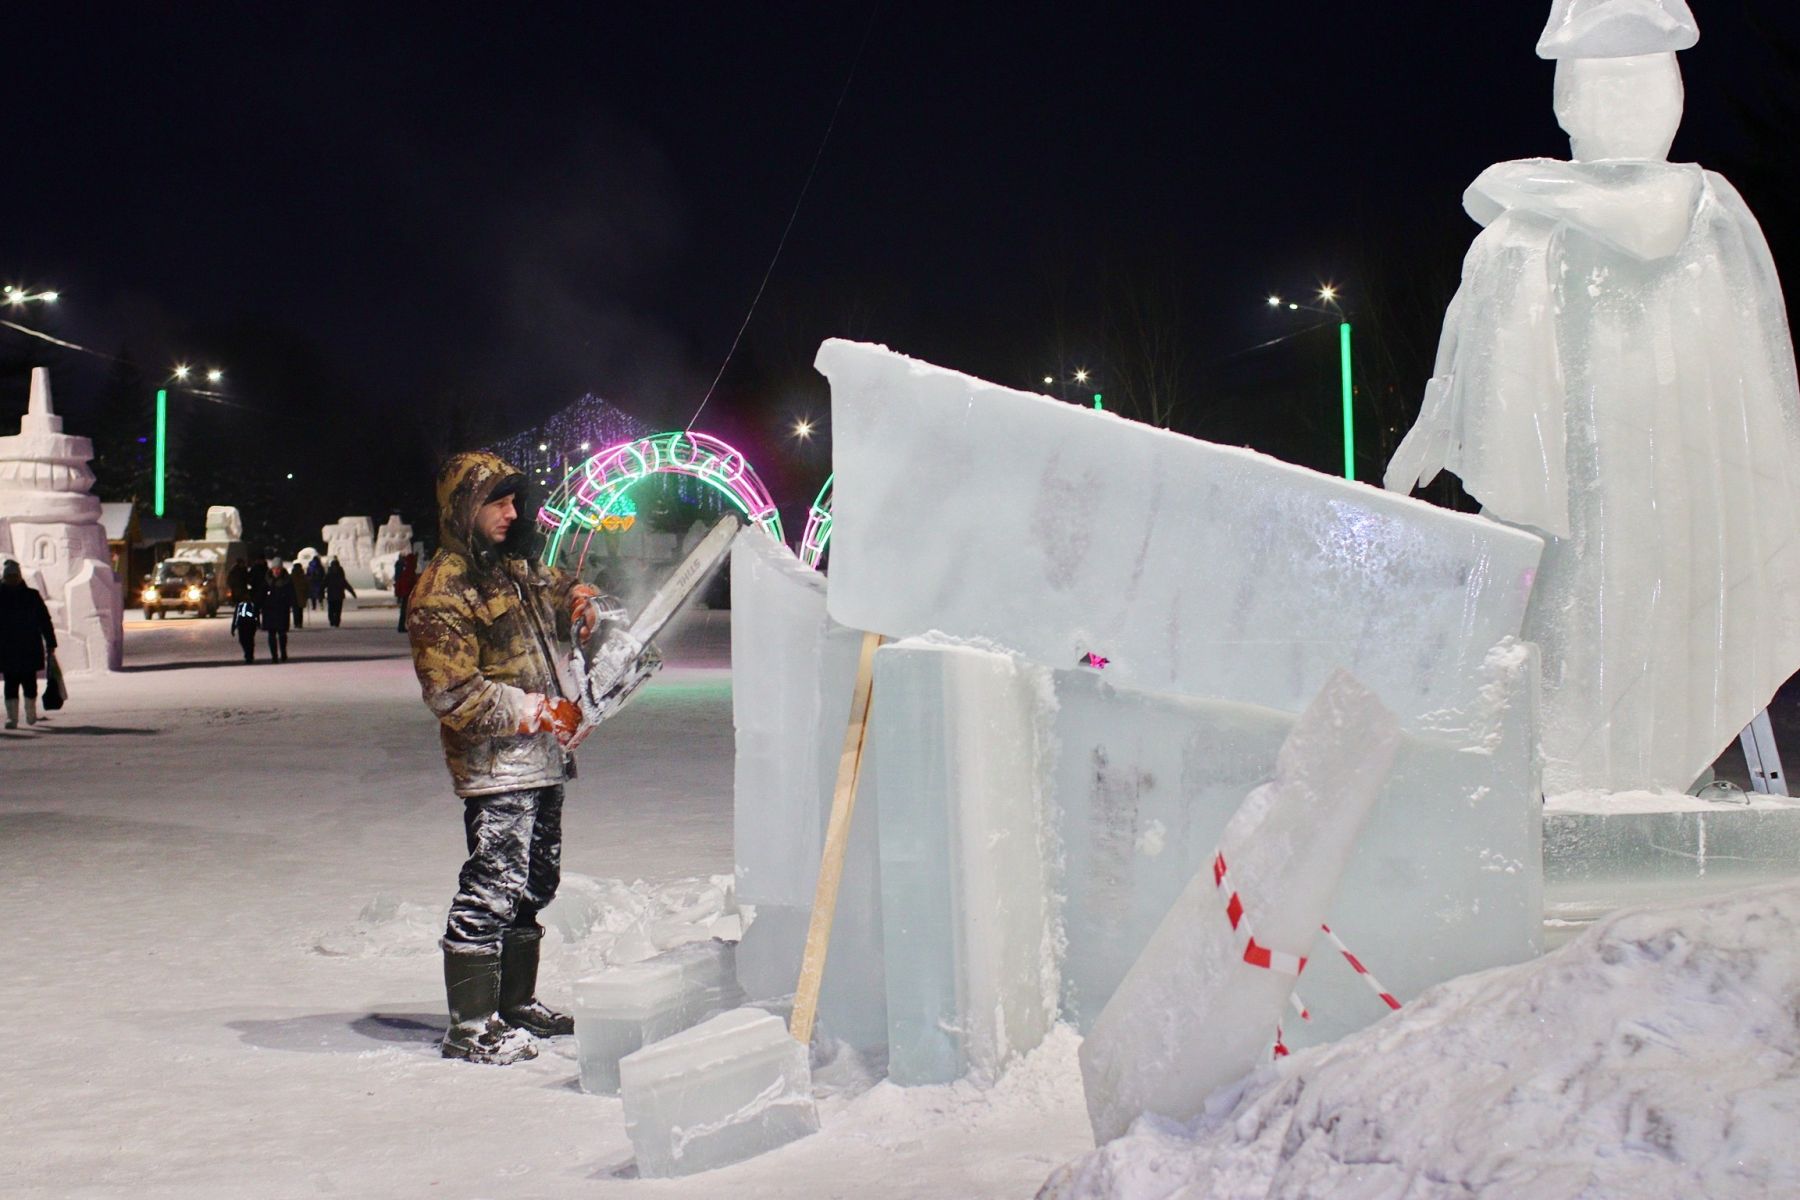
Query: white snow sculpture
{"points": [[50, 524], [1199, 569], [223, 524], [1199, 1007], [1616, 371], [352, 542], [394, 536]]}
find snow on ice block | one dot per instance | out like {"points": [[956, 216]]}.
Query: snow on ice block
{"points": [[966, 902], [620, 1011], [723, 1091], [1199, 1007], [984, 512], [1447, 877]]}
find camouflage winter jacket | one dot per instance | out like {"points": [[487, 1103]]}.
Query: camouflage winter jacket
{"points": [[484, 623]]}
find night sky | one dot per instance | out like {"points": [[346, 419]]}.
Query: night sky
{"points": [[403, 228]]}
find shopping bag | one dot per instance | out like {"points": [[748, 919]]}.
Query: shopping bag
{"points": [[54, 691]]}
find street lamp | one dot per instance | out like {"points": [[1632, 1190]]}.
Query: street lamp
{"points": [[214, 375], [1328, 295], [17, 296]]}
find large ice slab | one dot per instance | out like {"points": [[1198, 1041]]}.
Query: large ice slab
{"points": [[721, 1092], [984, 512], [1447, 877], [1197, 1009], [620, 1011], [969, 917], [792, 673]]}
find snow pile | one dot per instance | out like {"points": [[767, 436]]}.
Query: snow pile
{"points": [[599, 922], [1655, 1056]]}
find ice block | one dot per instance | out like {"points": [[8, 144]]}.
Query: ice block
{"points": [[725, 1090], [622, 1010], [969, 919], [1447, 877], [1199, 1006], [1199, 569]]}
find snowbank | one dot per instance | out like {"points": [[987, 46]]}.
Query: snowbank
{"points": [[1655, 1056]]}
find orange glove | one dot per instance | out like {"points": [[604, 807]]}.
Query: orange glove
{"points": [[550, 714]]}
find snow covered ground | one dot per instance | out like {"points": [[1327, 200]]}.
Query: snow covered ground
{"points": [[223, 886]]}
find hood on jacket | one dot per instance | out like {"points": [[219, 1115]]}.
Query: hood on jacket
{"points": [[468, 481]]}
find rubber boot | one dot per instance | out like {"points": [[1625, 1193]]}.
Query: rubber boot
{"points": [[31, 710], [12, 712], [519, 1005], [476, 1033]]}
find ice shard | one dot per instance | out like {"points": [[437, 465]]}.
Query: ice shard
{"points": [[1199, 1006], [1206, 570], [970, 929], [620, 1011], [725, 1090], [1616, 371]]}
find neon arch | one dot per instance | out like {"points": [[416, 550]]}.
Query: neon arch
{"points": [[818, 527], [593, 495]]}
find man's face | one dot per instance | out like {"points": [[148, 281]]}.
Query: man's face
{"points": [[494, 518]]}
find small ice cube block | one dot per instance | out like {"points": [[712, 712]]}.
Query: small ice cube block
{"points": [[726, 1090], [627, 1008]]}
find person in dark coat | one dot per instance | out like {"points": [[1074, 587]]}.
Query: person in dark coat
{"points": [[406, 573], [278, 612], [247, 614], [315, 581], [336, 584], [25, 632], [297, 581]]}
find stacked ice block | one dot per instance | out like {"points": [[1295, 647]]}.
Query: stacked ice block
{"points": [[965, 867], [793, 669], [723, 1091], [622, 1010]]}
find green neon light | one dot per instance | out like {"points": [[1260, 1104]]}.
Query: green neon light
{"points": [[1349, 427], [162, 444], [1098, 406]]}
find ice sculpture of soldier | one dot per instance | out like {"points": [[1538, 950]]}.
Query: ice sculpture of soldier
{"points": [[1616, 373]]}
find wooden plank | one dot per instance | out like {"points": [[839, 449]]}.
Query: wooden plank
{"points": [[837, 841]]}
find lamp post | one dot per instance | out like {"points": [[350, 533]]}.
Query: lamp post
{"points": [[18, 297], [1328, 295], [177, 378]]}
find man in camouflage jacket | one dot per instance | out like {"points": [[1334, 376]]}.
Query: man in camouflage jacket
{"points": [[484, 619]]}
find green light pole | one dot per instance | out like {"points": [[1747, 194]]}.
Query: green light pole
{"points": [[162, 442], [1349, 424]]}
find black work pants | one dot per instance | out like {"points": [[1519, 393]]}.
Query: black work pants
{"points": [[25, 681], [514, 866], [334, 610], [246, 631], [300, 616], [278, 645]]}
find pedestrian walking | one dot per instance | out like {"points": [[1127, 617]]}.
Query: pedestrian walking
{"points": [[26, 636], [297, 580], [315, 582], [278, 612], [336, 584], [246, 615], [406, 575]]}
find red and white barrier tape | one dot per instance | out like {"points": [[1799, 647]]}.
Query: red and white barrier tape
{"points": [[1255, 953], [1259, 955]]}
